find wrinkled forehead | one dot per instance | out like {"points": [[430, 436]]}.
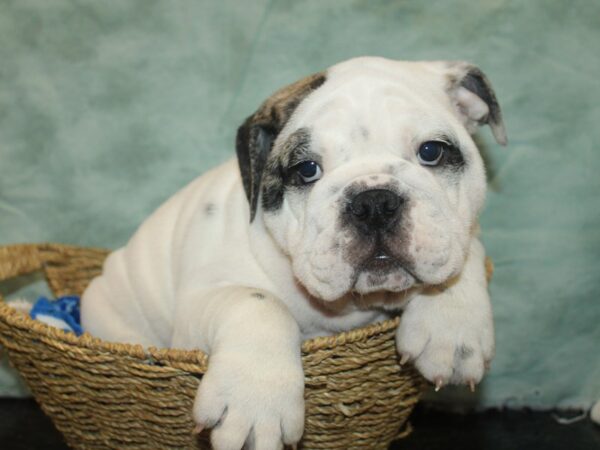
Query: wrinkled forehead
{"points": [[383, 102]]}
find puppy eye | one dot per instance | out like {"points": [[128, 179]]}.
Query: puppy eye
{"points": [[309, 171], [430, 153]]}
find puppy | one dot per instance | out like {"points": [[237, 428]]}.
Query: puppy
{"points": [[355, 193]]}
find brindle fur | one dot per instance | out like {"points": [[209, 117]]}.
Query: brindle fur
{"points": [[257, 134]]}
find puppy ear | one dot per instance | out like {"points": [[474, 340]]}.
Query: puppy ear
{"points": [[255, 137], [253, 144], [474, 99]]}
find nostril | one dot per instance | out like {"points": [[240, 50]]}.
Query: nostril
{"points": [[390, 206], [360, 209]]}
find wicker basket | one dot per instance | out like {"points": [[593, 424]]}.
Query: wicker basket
{"points": [[106, 395]]}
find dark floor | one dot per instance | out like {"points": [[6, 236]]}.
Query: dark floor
{"points": [[24, 427]]}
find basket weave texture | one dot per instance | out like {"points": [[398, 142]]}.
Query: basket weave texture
{"points": [[109, 395]]}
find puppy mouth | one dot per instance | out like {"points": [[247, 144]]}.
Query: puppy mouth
{"points": [[382, 263]]}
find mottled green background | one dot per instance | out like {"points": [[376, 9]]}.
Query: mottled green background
{"points": [[109, 107]]}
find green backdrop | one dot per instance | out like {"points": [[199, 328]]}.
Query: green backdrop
{"points": [[107, 108]]}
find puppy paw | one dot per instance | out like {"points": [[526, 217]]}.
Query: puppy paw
{"points": [[250, 402], [446, 345]]}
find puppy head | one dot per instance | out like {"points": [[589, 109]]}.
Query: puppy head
{"points": [[366, 175]]}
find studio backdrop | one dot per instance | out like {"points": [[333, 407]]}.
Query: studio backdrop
{"points": [[108, 108]]}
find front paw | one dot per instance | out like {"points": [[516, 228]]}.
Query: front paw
{"points": [[446, 347], [254, 401]]}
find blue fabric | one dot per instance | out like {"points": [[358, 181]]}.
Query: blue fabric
{"points": [[64, 309]]}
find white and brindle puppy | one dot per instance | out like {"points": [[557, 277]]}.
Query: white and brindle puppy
{"points": [[364, 188]]}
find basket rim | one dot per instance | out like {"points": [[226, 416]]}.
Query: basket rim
{"points": [[11, 253]]}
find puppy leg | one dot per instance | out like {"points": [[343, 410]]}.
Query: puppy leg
{"points": [[253, 390], [449, 333]]}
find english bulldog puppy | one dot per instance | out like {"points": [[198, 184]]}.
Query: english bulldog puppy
{"points": [[355, 194]]}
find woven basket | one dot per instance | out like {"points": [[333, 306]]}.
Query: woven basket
{"points": [[106, 395]]}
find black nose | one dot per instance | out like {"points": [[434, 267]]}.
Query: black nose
{"points": [[375, 209]]}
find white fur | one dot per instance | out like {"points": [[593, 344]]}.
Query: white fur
{"points": [[21, 305], [595, 413], [248, 293], [438, 327]]}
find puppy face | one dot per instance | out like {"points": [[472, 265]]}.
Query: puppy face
{"points": [[368, 178]]}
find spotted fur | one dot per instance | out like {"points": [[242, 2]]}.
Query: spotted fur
{"points": [[256, 135]]}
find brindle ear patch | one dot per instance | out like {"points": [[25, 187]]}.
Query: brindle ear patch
{"points": [[469, 87], [273, 186], [279, 107], [253, 145], [257, 134]]}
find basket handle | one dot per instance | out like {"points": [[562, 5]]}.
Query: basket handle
{"points": [[19, 259]]}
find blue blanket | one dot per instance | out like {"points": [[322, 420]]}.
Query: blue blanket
{"points": [[62, 313]]}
